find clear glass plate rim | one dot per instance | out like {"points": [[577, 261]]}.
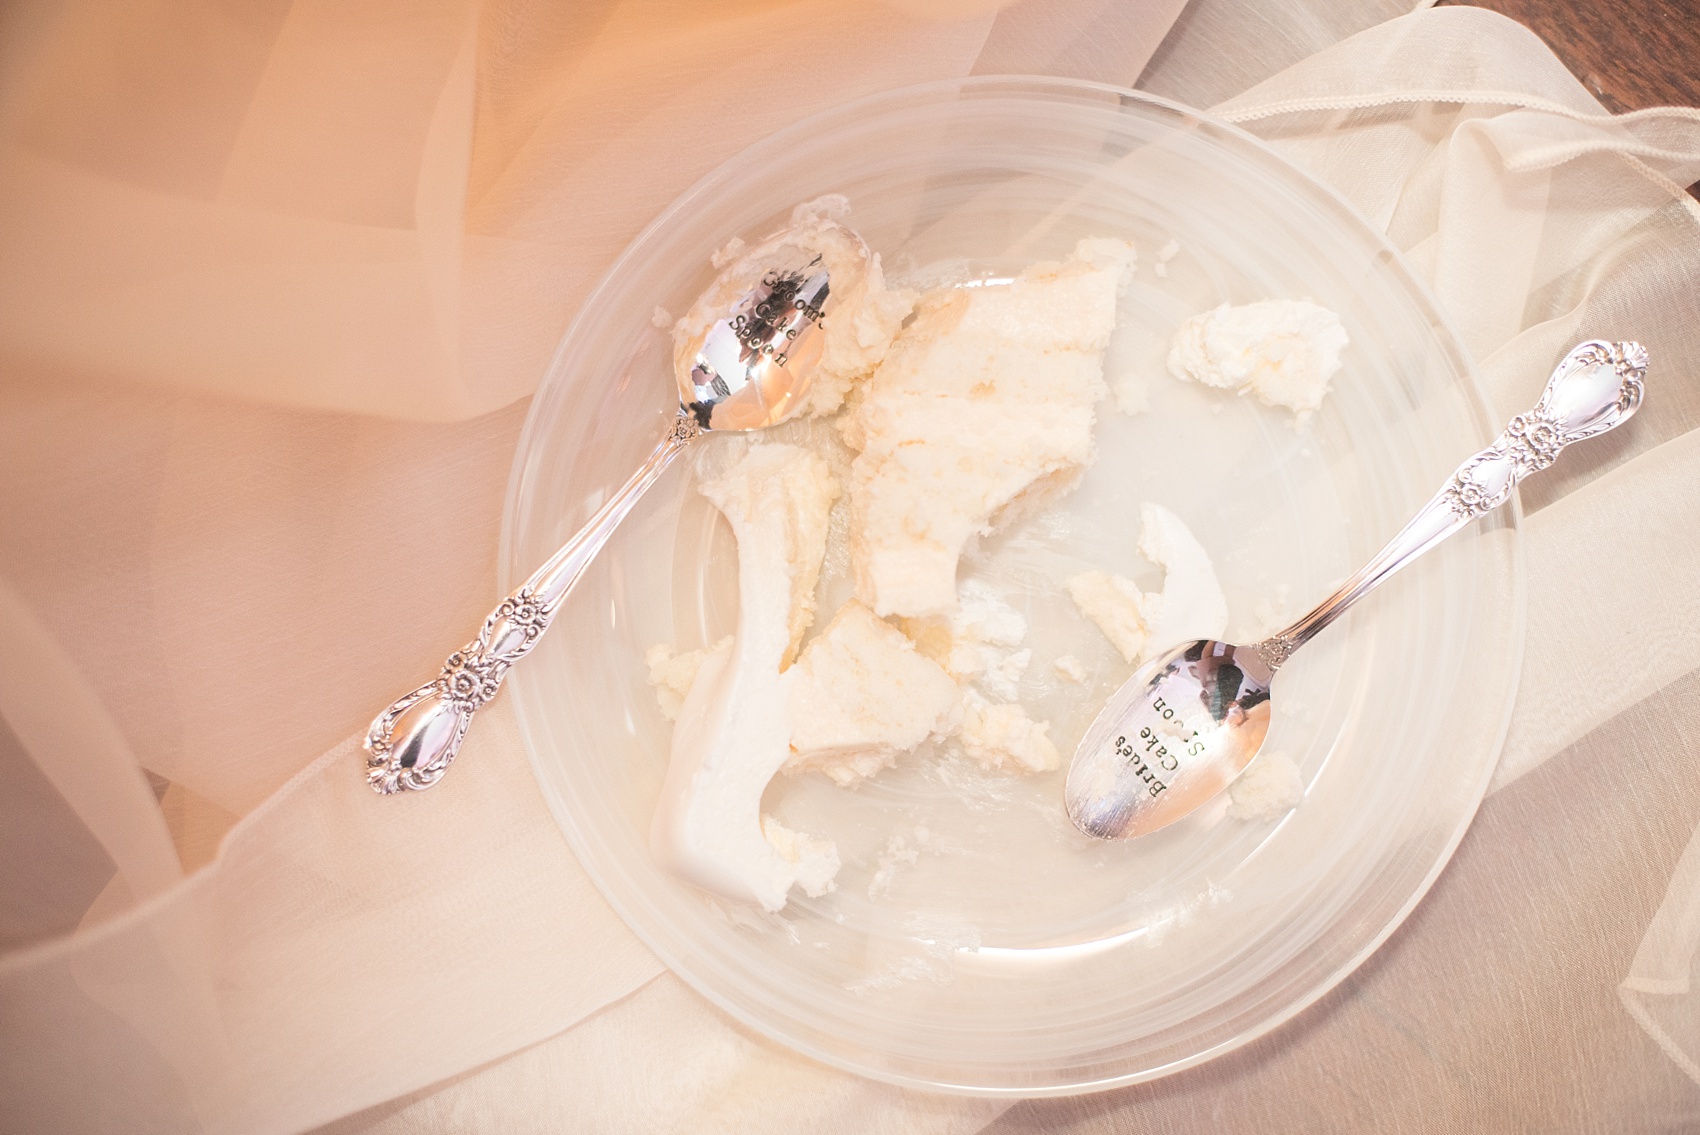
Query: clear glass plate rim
{"points": [[510, 570]]}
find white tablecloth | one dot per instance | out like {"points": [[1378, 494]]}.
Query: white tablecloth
{"points": [[275, 282]]}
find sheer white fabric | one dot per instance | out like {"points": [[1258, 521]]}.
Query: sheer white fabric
{"points": [[274, 281]]}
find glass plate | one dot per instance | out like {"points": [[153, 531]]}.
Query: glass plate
{"points": [[994, 950]]}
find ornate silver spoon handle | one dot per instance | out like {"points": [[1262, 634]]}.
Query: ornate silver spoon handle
{"points": [[1596, 387], [412, 743]]}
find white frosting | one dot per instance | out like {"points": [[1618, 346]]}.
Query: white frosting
{"points": [[734, 727], [1270, 785], [864, 695], [987, 397], [976, 644], [1189, 606], [1283, 351]]}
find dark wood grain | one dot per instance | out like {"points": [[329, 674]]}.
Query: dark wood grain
{"points": [[1630, 53]]}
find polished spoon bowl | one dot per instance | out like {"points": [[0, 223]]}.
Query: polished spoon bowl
{"points": [[745, 369], [1190, 719]]}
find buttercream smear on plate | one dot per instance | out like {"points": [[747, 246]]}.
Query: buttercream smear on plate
{"points": [[966, 409]]}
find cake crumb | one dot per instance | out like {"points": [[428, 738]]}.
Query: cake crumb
{"points": [[1165, 254], [815, 860], [1271, 611], [1003, 736], [1131, 392], [1071, 668], [897, 854], [1269, 786], [727, 252]]}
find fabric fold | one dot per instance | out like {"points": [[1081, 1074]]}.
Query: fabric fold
{"points": [[274, 282], [328, 916]]}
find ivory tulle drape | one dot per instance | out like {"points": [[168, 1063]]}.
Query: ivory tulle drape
{"points": [[275, 280]]}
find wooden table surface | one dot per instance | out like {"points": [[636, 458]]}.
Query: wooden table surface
{"points": [[1629, 53]]}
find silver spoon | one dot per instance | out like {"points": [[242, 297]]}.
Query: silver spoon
{"points": [[746, 370], [1189, 720]]}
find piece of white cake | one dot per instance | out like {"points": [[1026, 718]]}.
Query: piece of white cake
{"points": [[975, 640], [987, 397], [734, 728], [863, 696], [1283, 351], [1001, 735], [672, 672], [1189, 606], [1116, 605]]}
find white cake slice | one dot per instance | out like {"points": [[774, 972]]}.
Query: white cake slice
{"points": [[987, 397], [863, 696]]}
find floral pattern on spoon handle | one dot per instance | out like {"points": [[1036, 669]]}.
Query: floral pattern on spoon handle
{"points": [[412, 743], [1594, 388]]}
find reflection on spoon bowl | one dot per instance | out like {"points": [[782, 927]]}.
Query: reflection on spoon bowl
{"points": [[1176, 734]]}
